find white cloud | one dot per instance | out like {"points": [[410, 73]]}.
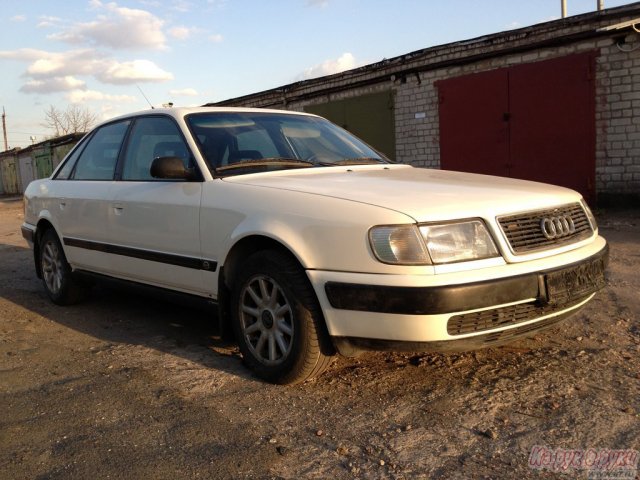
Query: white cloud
{"points": [[85, 62], [513, 25], [346, 61], [81, 96], [109, 110], [48, 21], [184, 92], [318, 3], [181, 33], [22, 54], [181, 6], [133, 72], [216, 38], [18, 18], [113, 27], [117, 28], [53, 84], [71, 62], [106, 109]]}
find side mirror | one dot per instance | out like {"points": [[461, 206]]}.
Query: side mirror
{"points": [[170, 168]]}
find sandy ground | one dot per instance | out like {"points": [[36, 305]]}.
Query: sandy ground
{"points": [[128, 386]]}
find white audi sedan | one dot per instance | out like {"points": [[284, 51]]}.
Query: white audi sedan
{"points": [[310, 241]]}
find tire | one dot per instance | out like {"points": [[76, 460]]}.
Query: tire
{"points": [[57, 276], [277, 320]]}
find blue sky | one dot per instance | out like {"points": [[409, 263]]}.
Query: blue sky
{"points": [[95, 53]]}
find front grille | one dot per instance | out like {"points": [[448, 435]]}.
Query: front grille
{"points": [[502, 317], [505, 336], [524, 231]]}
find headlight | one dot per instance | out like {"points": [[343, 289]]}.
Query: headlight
{"points": [[458, 242], [432, 244]]}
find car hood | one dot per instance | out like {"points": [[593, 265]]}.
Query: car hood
{"points": [[423, 194]]}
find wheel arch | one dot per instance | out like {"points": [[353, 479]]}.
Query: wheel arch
{"points": [[312, 347], [247, 246], [241, 250], [41, 227]]}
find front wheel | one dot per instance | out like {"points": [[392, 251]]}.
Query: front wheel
{"points": [[277, 320], [57, 277]]}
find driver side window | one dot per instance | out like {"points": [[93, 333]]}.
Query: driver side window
{"points": [[152, 137]]}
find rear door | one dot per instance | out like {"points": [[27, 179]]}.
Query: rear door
{"points": [[79, 198], [154, 224]]}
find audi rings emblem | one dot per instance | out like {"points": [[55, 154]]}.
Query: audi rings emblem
{"points": [[557, 227]]}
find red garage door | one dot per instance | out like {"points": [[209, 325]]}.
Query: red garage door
{"points": [[533, 121]]}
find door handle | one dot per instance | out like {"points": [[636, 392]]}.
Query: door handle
{"points": [[118, 208]]}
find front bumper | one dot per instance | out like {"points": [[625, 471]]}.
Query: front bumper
{"points": [[445, 312]]}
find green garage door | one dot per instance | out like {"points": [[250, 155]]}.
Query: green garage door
{"points": [[44, 165], [370, 117]]}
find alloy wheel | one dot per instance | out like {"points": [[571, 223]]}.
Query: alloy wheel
{"points": [[52, 267], [266, 320]]}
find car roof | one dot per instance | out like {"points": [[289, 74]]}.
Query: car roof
{"points": [[179, 112]]}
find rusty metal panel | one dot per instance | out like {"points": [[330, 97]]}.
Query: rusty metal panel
{"points": [[43, 162], [553, 136], [534, 121], [9, 174], [26, 169], [61, 151], [474, 129]]}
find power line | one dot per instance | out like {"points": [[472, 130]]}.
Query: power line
{"points": [[27, 133]]}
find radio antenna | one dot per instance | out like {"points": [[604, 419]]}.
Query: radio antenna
{"points": [[145, 97]]}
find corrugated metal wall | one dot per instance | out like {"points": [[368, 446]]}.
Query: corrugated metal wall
{"points": [[9, 172], [19, 167]]}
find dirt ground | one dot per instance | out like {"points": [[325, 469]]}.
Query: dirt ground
{"points": [[127, 386]]}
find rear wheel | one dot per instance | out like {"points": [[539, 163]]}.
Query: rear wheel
{"points": [[277, 320], [57, 277]]}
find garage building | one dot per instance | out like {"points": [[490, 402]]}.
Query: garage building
{"points": [[557, 102]]}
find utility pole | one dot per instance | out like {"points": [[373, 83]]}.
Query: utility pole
{"points": [[4, 130], [563, 7], [600, 5]]}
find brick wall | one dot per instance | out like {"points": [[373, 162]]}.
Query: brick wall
{"points": [[618, 117], [617, 110]]}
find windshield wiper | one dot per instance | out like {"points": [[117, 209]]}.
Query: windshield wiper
{"points": [[356, 161], [259, 162]]}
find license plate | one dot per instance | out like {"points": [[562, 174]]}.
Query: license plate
{"points": [[573, 283]]}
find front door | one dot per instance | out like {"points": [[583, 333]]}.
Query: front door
{"points": [[154, 224]]}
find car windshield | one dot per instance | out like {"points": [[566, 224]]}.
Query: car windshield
{"points": [[239, 143]]}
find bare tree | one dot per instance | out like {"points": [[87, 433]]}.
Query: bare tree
{"points": [[72, 120]]}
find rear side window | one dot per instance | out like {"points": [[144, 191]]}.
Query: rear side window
{"points": [[98, 159], [70, 162], [150, 138]]}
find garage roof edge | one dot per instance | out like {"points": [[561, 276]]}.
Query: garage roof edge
{"points": [[548, 34]]}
